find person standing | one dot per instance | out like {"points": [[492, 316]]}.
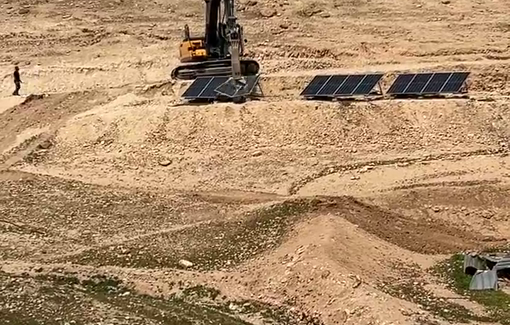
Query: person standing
{"points": [[17, 81]]}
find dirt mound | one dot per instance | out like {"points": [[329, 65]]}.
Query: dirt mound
{"points": [[37, 115], [339, 270]]}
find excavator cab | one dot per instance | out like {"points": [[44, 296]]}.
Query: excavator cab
{"points": [[192, 49]]}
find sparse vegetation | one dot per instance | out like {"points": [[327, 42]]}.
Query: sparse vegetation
{"points": [[193, 305], [496, 302], [409, 290], [220, 244]]}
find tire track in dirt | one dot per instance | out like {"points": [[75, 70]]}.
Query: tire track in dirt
{"points": [[296, 186], [442, 184], [393, 68]]}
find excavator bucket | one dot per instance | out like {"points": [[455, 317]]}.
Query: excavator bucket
{"points": [[236, 88]]}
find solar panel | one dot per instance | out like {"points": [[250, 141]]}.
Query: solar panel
{"points": [[436, 83], [428, 83], [203, 88], [232, 89], [367, 84], [341, 85], [332, 85], [418, 83], [196, 88], [349, 85], [315, 85], [455, 82], [400, 84], [209, 91]]}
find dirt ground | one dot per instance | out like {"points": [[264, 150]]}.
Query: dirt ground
{"points": [[122, 204]]}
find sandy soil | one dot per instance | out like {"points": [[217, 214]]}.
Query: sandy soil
{"points": [[122, 204]]}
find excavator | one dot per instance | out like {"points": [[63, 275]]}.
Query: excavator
{"points": [[218, 53]]}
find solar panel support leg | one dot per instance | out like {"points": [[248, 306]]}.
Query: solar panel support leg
{"points": [[380, 88]]}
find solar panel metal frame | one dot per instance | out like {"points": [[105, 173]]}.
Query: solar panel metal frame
{"points": [[316, 87], [403, 85], [251, 83]]}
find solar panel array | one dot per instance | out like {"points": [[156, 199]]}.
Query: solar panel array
{"points": [[341, 85], [337, 86], [428, 83]]}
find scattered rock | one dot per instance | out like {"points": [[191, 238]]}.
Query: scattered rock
{"points": [[445, 2], [325, 274], [325, 15], [46, 144], [185, 263], [24, 11], [366, 169], [166, 162], [257, 153], [251, 3], [309, 11], [436, 209], [356, 279], [268, 12]]}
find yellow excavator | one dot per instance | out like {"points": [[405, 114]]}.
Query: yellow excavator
{"points": [[218, 53]]}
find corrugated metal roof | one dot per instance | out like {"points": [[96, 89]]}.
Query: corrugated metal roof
{"points": [[491, 258], [504, 263], [484, 280], [472, 263]]}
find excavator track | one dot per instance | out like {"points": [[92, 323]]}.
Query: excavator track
{"points": [[190, 71]]}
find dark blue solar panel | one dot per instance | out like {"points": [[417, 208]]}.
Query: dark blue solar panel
{"points": [[197, 87], [436, 83], [428, 83], [455, 82], [367, 84], [209, 91], [349, 85], [418, 83], [332, 85], [315, 85], [400, 84]]}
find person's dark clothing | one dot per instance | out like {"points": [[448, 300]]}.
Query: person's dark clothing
{"points": [[17, 82]]}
